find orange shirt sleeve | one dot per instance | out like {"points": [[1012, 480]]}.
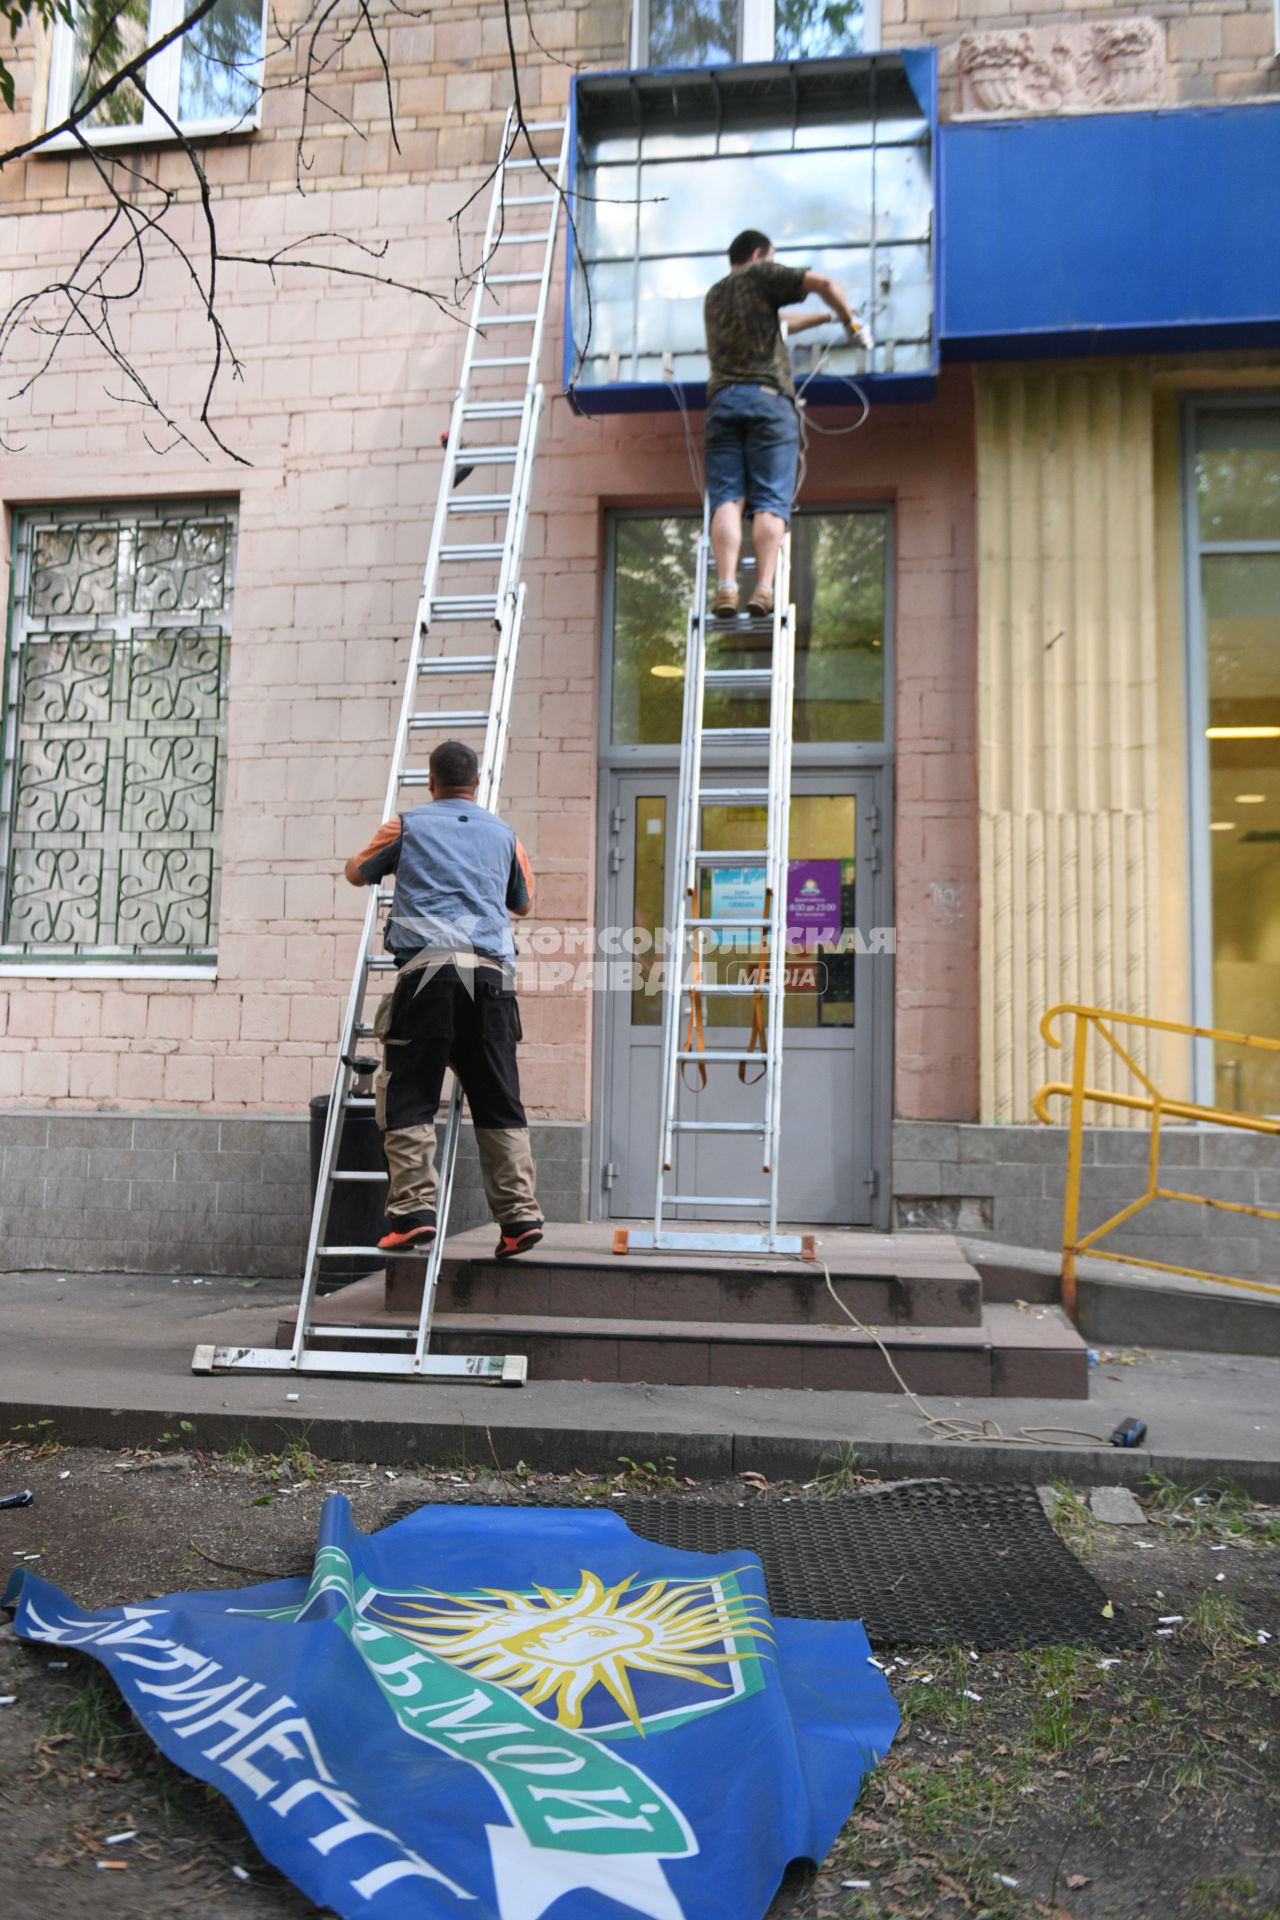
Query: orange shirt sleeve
{"points": [[381, 856]]}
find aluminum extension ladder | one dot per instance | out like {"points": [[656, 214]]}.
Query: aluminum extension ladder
{"points": [[694, 934], [470, 588]]}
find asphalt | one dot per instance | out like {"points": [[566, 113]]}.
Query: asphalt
{"points": [[105, 1360]]}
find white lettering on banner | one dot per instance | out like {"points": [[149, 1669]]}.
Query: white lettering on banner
{"points": [[279, 1740], [291, 1740], [595, 1816], [354, 1826]]}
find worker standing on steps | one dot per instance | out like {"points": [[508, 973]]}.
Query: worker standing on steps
{"points": [[752, 429], [460, 872]]}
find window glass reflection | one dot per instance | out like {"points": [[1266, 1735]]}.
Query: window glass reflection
{"points": [[221, 63], [816, 29], [838, 585], [1238, 474], [692, 33]]}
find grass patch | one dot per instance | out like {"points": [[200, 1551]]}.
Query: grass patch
{"points": [[1201, 1512], [843, 1477]]}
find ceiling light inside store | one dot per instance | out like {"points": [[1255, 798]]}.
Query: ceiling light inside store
{"points": [[1250, 799], [1221, 826], [1242, 733]]}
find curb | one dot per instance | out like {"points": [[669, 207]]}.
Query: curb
{"points": [[704, 1456]]}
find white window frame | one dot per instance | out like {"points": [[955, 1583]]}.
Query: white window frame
{"points": [[755, 30], [163, 79]]}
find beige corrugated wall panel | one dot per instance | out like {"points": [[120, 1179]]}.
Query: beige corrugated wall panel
{"points": [[1067, 712]]}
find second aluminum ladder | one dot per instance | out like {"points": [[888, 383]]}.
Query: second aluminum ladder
{"points": [[466, 635], [694, 934]]}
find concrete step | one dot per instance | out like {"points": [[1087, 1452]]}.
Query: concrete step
{"points": [[1034, 1354], [920, 1280], [1123, 1305]]}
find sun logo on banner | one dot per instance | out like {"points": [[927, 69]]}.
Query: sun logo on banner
{"points": [[566, 1652]]}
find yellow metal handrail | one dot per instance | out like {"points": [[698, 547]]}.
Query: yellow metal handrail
{"points": [[1152, 1101]]}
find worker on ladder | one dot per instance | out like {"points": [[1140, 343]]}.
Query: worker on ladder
{"points": [[460, 872], [752, 428]]}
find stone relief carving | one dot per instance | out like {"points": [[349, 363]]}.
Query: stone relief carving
{"points": [[1062, 69]]}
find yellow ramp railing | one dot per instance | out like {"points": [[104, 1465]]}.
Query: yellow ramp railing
{"points": [[1087, 1021]]}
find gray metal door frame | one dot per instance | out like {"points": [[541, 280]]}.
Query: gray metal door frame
{"points": [[873, 1056]]}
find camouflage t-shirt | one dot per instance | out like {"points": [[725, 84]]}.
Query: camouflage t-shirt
{"points": [[744, 339]]}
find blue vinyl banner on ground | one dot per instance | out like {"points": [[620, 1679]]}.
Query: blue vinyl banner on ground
{"points": [[505, 1713]]}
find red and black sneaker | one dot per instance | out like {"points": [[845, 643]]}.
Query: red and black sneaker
{"points": [[518, 1237], [409, 1233]]}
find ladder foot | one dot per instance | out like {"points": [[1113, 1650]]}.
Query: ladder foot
{"points": [[621, 1240]]}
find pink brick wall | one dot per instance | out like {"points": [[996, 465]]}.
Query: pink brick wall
{"points": [[345, 392]]}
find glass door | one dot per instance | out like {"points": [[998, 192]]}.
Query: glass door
{"points": [[830, 1057]]}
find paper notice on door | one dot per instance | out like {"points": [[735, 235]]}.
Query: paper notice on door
{"points": [[813, 903], [737, 893]]}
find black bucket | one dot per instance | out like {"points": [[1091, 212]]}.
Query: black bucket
{"points": [[357, 1207]]}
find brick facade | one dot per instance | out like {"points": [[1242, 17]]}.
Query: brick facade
{"points": [[345, 390]]}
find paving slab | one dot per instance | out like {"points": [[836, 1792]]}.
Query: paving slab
{"points": [[106, 1359]]}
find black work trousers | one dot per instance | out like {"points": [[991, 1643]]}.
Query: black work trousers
{"points": [[465, 1019]]}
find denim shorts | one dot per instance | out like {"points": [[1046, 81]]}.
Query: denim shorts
{"points": [[752, 442]]}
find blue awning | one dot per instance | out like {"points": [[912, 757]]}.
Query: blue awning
{"points": [[1096, 233]]}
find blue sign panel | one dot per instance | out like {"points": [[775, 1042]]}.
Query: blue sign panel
{"points": [[1100, 232], [501, 1713]]}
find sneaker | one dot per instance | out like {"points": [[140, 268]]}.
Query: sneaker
{"points": [[516, 1238], [760, 605], [726, 606], [409, 1232]]}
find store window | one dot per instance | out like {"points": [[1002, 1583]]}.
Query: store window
{"points": [[1234, 524], [838, 584], [705, 33], [209, 81], [114, 726]]}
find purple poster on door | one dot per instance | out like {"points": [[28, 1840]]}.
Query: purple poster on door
{"points": [[813, 903]]}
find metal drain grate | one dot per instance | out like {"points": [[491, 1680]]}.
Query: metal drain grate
{"points": [[929, 1564]]}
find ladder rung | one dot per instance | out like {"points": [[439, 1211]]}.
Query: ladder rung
{"points": [[712, 1200], [383, 962], [707, 857], [718, 1126], [740, 676], [451, 717], [528, 200], [459, 663], [521, 240], [467, 606], [507, 360], [413, 777], [343, 1173], [725, 921], [482, 503], [482, 550], [546, 126], [406, 1334], [487, 456], [733, 793], [360, 1100], [493, 409], [510, 279], [720, 1053], [735, 733], [376, 1253], [726, 986], [507, 320]]}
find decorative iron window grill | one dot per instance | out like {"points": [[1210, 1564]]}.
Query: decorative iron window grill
{"points": [[114, 732]]}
